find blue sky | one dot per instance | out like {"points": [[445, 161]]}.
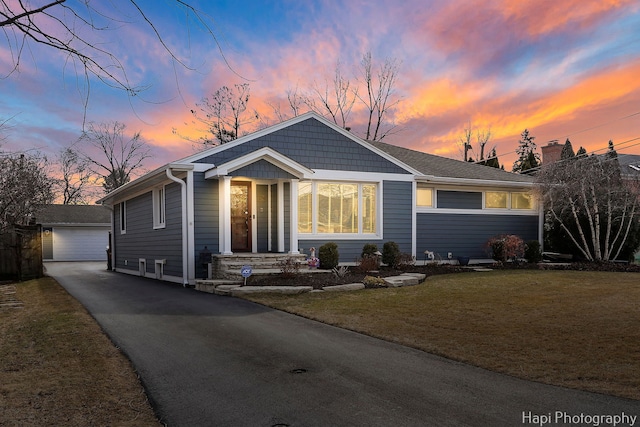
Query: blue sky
{"points": [[557, 68]]}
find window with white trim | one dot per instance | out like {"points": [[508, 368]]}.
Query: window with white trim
{"points": [[337, 208], [519, 200], [496, 199], [424, 196], [123, 217], [159, 207]]}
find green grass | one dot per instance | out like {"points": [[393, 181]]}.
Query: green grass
{"points": [[57, 367], [569, 328]]}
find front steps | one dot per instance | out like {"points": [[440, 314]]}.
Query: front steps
{"points": [[228, 267]]}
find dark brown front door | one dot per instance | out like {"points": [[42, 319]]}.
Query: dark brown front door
{"points": [[241, 216]]}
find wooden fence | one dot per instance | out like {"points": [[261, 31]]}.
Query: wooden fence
{"points": [[21, 253]]}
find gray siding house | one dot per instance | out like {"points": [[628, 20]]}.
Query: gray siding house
{"points": [[305, 182]]}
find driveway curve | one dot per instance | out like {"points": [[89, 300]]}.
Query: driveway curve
{"points": [[208, 360]]}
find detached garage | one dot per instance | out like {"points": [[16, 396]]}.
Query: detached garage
{"points": [[75, 232]]}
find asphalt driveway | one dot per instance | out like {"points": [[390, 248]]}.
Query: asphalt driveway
{"points": [[207, 360]]}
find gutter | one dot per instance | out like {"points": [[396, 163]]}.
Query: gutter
{"points": [[474, 182], [185, 244]]}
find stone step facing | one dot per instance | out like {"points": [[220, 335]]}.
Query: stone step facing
{"points": [[229, 266], [235, 288]]}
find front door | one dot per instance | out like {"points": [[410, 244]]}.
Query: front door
{"points": [[241, 216]]}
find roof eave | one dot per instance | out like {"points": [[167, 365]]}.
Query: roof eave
{"points": [[473, 182], [139, 183]]}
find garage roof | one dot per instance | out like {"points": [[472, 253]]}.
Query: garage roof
{"points": [[74, 214]]}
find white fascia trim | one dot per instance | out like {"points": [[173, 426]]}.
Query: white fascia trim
{"points": [[264, 153], [473, 182], [143, 184], [334, 175]]}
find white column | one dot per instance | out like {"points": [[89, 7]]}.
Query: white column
{"points": [[280, 216], [224, 196], [293, 218]]}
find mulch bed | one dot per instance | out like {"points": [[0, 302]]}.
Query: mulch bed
{"points": [[354, 275]]}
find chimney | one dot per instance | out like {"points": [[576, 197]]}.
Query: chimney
{"points": [[551, 152]]}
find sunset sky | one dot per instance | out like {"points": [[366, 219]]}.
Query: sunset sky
{"points": [[558, 68]]}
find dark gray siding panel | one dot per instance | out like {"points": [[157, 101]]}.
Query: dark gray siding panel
{"points": [[349, 250], [467, 234], [459, 200], [262, 216], [206, 217], [142, 241], [314, 145], [398, 205], [262, 169]]}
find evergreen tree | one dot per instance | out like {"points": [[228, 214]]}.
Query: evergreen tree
{"points": [[528, 158], [581, 152], [493, 161], [611, 152], [567, 151]]}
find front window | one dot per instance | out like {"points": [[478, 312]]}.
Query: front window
{"points": [[424, 196], [521, 201], [305, 214], [337, 208], [496, 199], [159, 207], [123, 217]]}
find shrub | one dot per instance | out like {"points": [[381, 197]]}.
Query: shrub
{"points": [[532, 251], [390, 254], [341, 272], [369, 249], [506, 247], [368, 263], [289, 267], [405, 260], [373, 282], [329, 255]]}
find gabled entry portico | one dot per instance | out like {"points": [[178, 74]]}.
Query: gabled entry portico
{"points": [[258, 202]]}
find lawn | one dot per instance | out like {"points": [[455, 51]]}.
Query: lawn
{"points": [[57, 367], [575, 329]]}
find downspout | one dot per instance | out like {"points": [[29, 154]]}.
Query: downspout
{"points": [[185, 246]]}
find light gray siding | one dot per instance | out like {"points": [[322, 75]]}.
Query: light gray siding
{"points": [[315, 146], [142, 241], [467, 234], [459, 200]]}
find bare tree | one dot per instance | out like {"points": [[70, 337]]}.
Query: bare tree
{"points": [[76, 179], [587, 200], [380, 97], [482, 138], [25, 188], [224, 114], [335, 99], [74, 28], [296, 102], [111, 154]]}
